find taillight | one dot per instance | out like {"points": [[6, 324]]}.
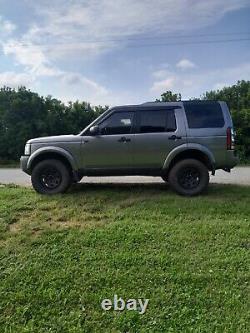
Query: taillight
{"points": [[230, 138]]}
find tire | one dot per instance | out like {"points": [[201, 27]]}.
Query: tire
{"points": [[165, 178], [50, 177], [189, 177]]}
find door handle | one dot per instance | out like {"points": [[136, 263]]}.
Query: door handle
{"points": [[124, 139], [85, 141], [174, 137]]}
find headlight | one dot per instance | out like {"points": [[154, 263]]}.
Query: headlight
{"points": [[27, 149]]}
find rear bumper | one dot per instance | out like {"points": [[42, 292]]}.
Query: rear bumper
{"points": [[24, 164], [231, 159]]}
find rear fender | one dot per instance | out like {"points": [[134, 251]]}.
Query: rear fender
{"points": [[185, 148]]}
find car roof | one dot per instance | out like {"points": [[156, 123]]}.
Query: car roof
{"points": [[151, 105], [148, 105]]}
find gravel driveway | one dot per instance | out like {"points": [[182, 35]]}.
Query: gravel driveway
{"points": [[239, 176]]}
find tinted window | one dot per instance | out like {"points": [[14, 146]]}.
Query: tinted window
{"points": [[171, 121], [117, 123], [204, 115], [156, 121]]}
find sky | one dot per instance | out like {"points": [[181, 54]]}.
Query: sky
{"points": [[118, 52]]}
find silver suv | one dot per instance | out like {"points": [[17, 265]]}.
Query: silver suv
{"points": [[178, 141]]}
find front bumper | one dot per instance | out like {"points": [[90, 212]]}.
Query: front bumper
{"points": [[24, 164]]}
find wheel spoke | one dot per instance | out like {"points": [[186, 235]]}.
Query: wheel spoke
{"points": [[50, 178], [189, 178]]}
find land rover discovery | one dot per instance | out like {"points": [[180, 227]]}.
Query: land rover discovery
{"points": [[179, 141]]}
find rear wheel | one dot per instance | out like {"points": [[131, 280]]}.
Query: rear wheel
{"points": [[189, 177], [50, 177]]}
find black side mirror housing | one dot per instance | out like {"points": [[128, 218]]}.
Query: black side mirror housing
{"points": [[94, 130]]}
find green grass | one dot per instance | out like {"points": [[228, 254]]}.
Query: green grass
{"points": [[189, 256]]}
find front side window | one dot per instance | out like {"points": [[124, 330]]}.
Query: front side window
{"points": [[156, 121], [117, 123]]}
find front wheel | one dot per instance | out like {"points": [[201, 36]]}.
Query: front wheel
{"points": [[189, 177], [50, 177]]}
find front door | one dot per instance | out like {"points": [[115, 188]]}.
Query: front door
{"points": [[110, 150]]}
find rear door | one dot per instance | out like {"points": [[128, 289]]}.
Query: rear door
{"points": [[158, 132]]}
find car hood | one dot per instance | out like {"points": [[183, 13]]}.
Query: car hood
{"points": [[58, 138]]}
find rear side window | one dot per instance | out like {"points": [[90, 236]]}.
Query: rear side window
{"points": [[156, 121], [204, 115]]}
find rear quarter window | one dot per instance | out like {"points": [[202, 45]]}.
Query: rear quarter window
{"points": [[204, 115]]}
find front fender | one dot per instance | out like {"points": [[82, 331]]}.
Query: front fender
{"points": [[51, 149], [185, 147]]}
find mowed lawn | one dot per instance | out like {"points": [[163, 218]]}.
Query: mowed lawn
{"points": [[60, 256]]}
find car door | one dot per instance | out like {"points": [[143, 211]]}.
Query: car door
{"points": [[111, 148], [158, 132]]}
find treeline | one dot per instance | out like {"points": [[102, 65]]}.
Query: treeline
{"points": [[24, 115]]}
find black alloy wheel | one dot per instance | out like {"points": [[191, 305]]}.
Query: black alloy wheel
{"points": [[51, 177], [189, 177]]}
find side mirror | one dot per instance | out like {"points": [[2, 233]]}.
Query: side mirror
{"points": [[94, 130]]}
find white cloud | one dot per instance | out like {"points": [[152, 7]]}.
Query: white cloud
{"points": [[78, 30], [192, 85], [160, 73], [219, 85], [163, 85], [37, 66], [66, 86], [6, 27], [185, 64], [89, 27], [14, 80], [30, 56], [77, 80]]}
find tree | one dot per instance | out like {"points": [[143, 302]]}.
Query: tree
{"points": [[25, 115], [168, 96]]}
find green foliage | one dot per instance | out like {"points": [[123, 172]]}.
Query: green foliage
{"points": [[60, 256], [168, 96], [237, 96], [25, 115], [241, 120]]}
